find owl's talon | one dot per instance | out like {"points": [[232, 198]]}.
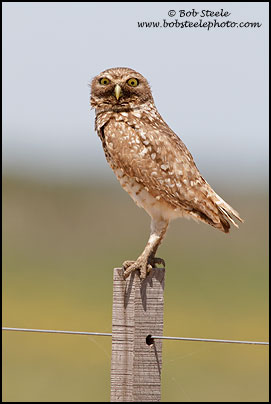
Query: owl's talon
{"points": [[157, 261], [149, 268]]}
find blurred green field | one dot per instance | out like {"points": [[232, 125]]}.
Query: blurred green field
{"points": [[60, 244]]}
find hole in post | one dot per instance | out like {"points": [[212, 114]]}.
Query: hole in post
{"points": [[149, 340]]}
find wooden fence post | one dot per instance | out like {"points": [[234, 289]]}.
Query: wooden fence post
{"points": [[137, 313]]}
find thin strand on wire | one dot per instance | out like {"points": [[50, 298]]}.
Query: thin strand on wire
{"points": [[105, 334]]}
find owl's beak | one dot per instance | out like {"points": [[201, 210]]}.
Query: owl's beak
{"points": [[117, 91]]}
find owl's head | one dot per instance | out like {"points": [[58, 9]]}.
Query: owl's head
{"points": [[119, 88]]}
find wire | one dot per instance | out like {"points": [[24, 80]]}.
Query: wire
{"points": [[225, 341], [105, 334]]}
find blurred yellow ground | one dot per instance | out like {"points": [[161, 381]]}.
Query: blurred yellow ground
{"points": [[60, 243]]}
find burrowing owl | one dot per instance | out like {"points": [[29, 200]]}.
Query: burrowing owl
{"points": [[150, 161]]}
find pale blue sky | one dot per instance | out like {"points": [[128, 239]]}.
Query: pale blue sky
{"points": [[211, 87]]}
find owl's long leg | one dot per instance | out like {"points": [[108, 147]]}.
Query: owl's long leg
{"points": [[147, 259]]}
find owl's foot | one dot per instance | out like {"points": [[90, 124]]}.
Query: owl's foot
{"points": [[142, 264]]}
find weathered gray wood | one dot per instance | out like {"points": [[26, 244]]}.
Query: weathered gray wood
{"points": [[137, 312]]}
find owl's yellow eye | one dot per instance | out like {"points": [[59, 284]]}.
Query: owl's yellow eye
{"points": [[132, 82], [104, 81]]}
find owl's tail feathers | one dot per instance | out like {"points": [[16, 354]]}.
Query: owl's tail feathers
{"points": [[227, 214]]}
